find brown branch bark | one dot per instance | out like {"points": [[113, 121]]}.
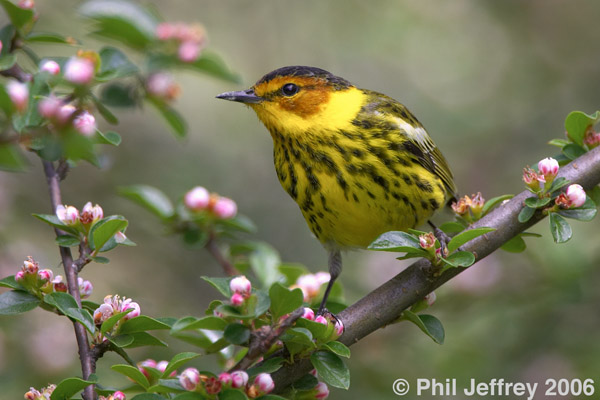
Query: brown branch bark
{"points": [[71, 270], [213, 248], [385, 304]]}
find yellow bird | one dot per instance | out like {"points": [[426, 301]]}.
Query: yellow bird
{"points": [[357, 162]]}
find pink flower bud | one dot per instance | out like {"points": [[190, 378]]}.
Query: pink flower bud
{"points": [[430, 298], [224, 208], [26, 4], [164, 31], [225, 379], [131, 305], [148, 363], [102, 313], [241, 284], [321, 391], [321, 320], [576, 195], [313, 372], [427, 241], [0, 46], [239, 379], [68, 215], [45, 275], [189, 379], [197, 199], [189, 51], [237, 299], [18, 93], [265, 383], [49, 106], [65, 113], [162, 365], [79, 70], [162, 85], [309, 314], [549, 168], [85, 123], [20, 276], [338, 327], [120, 237], [309, 285], [91, 214], [118, 395], [51, 67], [85, 287]]}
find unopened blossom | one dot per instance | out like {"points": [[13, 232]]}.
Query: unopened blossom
{"points": [[85, 123], [65, 113], [338, 327], [548, 167], [576, 195], [51, 67], [427, 241], [189, 379], [310, 286], [430, 298], [225, 379], [120, 237], [91, 214], [79, 70], [118, 395], [197, 199], [308, 314], [237, 299], [85, 287], [143, 365], [321, 391], [26, 4], [45, 275], [189, 51], [162, 365], [241, 284], [224, 208], [18, 93], [239, 379], [321, 320], [48, 107], [131, 305], [68, 215], [264, 383], [163, 86]]}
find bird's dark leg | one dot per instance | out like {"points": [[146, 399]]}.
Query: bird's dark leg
{"points": [[335, 267], [440, 235]]}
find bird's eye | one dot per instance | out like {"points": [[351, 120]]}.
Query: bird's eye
{"points": [[289, 89]]}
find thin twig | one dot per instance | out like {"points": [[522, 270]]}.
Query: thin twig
{"points": [[213, 248], [385, 304], [85, 356]]}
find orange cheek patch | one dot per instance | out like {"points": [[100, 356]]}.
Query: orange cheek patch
{"points": [[306, 103]]}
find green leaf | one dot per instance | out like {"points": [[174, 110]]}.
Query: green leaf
{"points": [[171, 116], [573, 151], [104, 230], [69, 387], [396, 241], [11, 158], [560, 228], [460, 259], [264, 260], [142, 323], [536, 202], [558, 142], [467, 236], [138, 339], [110, 137], [212, 64], [429, 324], [112, 320], [338, 348], [221, 284], [105, 112], [452, 227], [292, 272], [236, 333], [124, 21], [49, 37], [331, 369], [217, 346], [78, 147], [66, 304], [67, 241], [18, 16], [132, 373], [10, 282], [577, 123], [525, 214], [284, 300], [494, 201], [558, 183], [114, 64], [301, 336], [5, 102], [100, 260], [17, 302], [240, 223], [154, 396], [209, 322], [318, 330], [7, 61], [178, 360], [31, 118], [150, 198], [586, 212], [226, 394], [118, 94], [53, 220], [7, 32], [514, 245], [269, 366]]}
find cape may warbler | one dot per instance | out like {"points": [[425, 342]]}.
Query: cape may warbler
{"points": [[357, 162]]}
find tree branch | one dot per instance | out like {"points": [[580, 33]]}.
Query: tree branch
{"points": [[213, 249], [85, 356], [385, 304]]}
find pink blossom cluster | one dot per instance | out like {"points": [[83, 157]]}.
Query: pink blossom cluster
{"points": [[113, 305], [310, 284], [42, 394], [162, 85], [62, 115], [118, 395], [191, 39], [199, 199], [160, 366], [241, 289], [191, 380]]}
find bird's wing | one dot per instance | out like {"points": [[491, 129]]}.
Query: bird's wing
{"points": [[420, 144]]}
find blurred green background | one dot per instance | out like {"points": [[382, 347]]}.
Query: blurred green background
{"points": [[492, 81]]}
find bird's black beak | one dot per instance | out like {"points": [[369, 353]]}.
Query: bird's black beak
{"points": [[243, 96]]}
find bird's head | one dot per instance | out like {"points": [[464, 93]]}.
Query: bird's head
{"points": [[297, 99]]}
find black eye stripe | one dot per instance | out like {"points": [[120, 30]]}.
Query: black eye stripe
{"points": [[289, 89]]}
